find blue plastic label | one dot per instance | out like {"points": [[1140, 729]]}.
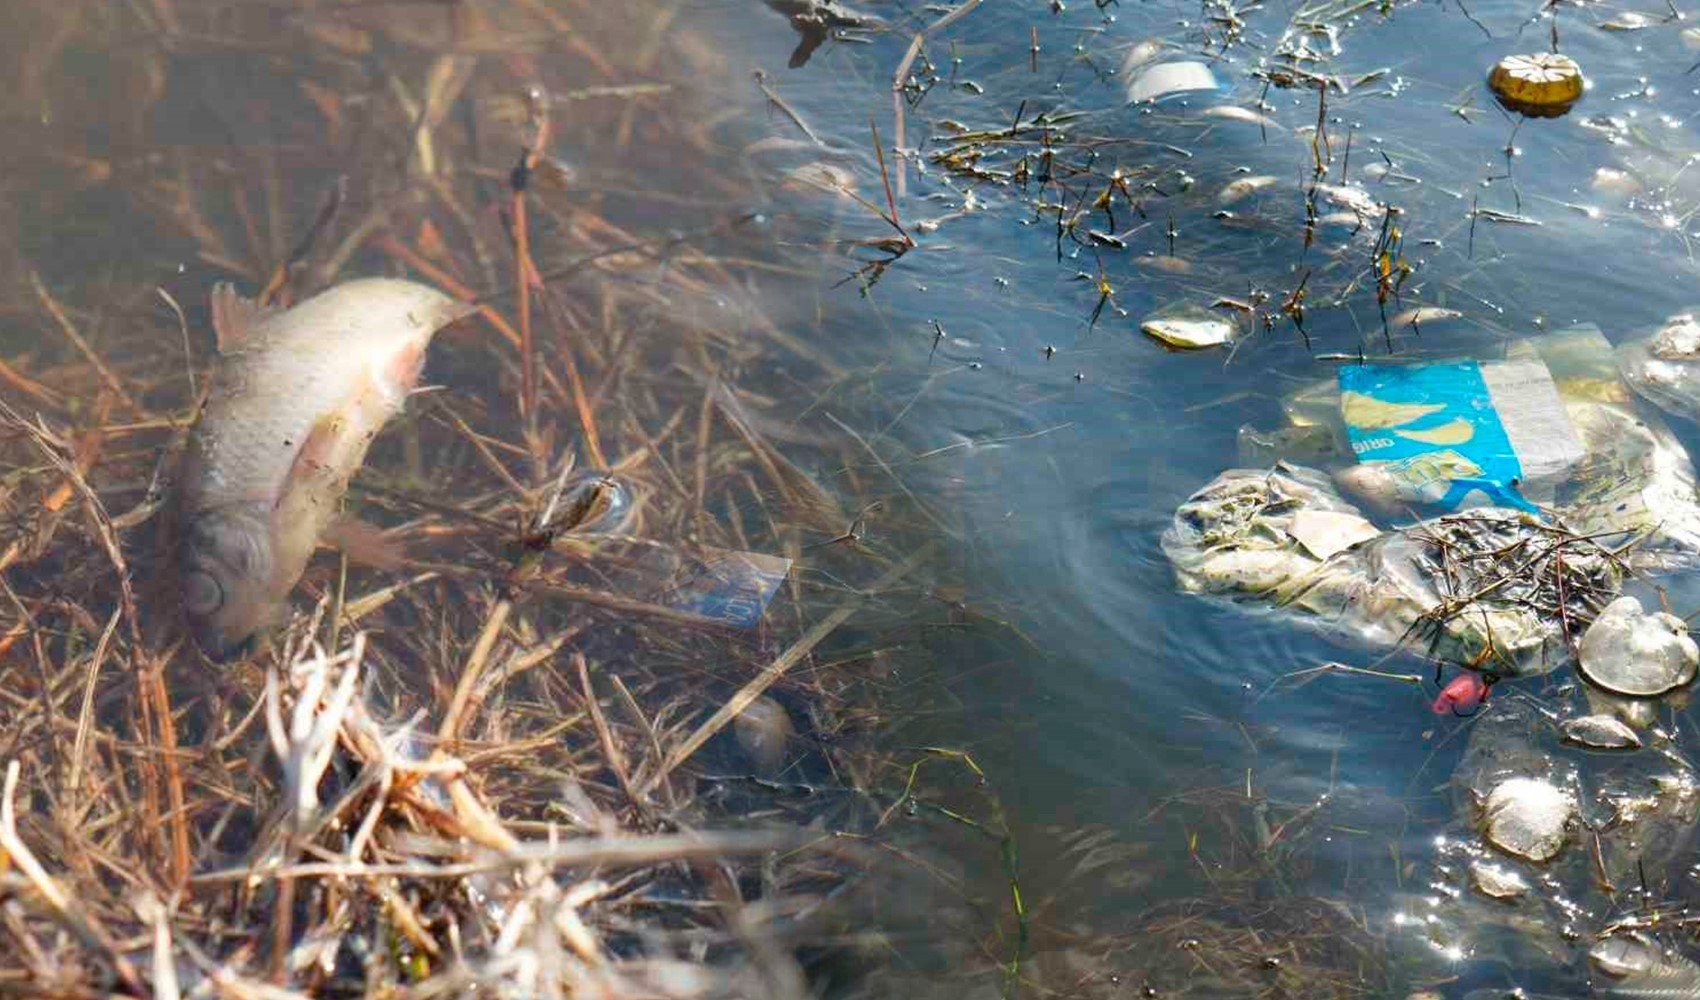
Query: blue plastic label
{"points": [[1436, 429], [732, 588]]}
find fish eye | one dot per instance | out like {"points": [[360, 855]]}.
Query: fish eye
{"points": [[202, 594]]}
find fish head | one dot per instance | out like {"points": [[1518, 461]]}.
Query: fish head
{"points": [[226, 579]]}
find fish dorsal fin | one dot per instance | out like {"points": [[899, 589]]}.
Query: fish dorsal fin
{"points": [[234, 317]]}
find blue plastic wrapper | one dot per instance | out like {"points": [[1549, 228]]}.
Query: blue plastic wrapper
{"points": [[732, 588], [1460, 434]]}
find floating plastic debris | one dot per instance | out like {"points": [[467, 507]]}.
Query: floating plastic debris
{"points": [[1463, 695], [1422, 315], [732, 588], [1600, 732], [1630, 652], [1631, 20], [1235, 537], [1642, 968], [1461, 433], [830, 178], [1326, 532], [1235, 113], [1350, 197], [1497, 881], [1312, 444], [1162, 80], [1190, 329], [1528, 817], [1665, 367], [1542, 85], [1237, 190], [1141, 54], [1609, 180]]}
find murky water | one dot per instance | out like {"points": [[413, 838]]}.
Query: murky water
{"points": [[996, 377]]}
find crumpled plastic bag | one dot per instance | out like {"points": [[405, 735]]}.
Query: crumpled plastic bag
{"points": [[1665, 367], [1493, 588], [1632, 484]]}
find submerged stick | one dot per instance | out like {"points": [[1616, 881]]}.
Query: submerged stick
{"points": [[610, 851], [69, 329]]}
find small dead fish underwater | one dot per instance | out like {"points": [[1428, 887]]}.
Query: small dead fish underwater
{"points": [[296, 398]]}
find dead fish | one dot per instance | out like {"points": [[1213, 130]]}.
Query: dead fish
{"points": [[296, 398]]}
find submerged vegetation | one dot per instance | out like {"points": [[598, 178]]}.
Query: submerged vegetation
{"points": [[561, 744]]}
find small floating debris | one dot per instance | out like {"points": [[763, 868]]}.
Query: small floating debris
{"points": [[1141, 54], [1629, 652], [1541, 85], [1235, 113], [1164, 263], [1600, 732], [1631, 20], [820, 176], [1167, 79], [763, 729], [1350, 220], [1642, 968], [1462, 696], [1189, 329], [1665, 368], [1243, 187], [1624, 954], [1497, 881], [1423, 315], [1325, 532], [1609, 180], [1350, 197], [1509, 218], [1528, 817]]}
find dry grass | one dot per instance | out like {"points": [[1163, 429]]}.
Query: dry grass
{"points": [[481, 772]]}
